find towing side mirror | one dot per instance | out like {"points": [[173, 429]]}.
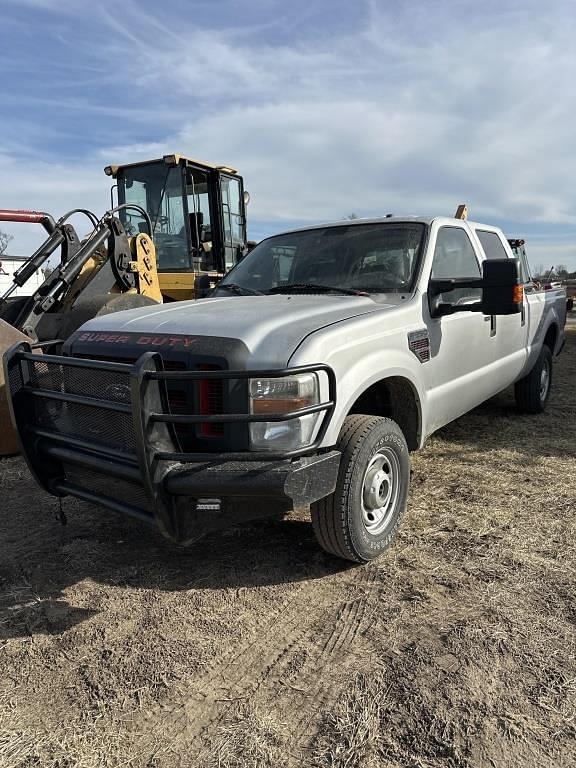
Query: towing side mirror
{"points": [[501, 286], [502, 289]]}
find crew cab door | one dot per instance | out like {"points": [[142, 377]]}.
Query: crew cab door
{"points": [[458, 374], [509, 332]]}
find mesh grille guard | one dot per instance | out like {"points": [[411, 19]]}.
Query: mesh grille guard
{"points": [[115, 417]]}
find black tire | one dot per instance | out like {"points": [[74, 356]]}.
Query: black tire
{"points": [[100, 304], [532, 392], [11, 311], [341, 521]]}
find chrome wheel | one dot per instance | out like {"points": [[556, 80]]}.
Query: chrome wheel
{"points": [[380, 490], [544, 381]]}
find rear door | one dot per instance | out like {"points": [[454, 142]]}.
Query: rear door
{"points": [[509, 332]]}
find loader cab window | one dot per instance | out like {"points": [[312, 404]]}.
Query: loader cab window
{"points": [[282, 258], [199, 218], [232, 218], [158, 188]]}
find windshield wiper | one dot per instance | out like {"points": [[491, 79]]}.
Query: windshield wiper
{"points": [[239, 290], [315, 288]]}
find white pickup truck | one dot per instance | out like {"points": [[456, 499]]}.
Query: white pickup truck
{"points": [[319, 362]]}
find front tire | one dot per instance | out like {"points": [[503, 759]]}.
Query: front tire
{"points": [[532, 392], [361, 518]]}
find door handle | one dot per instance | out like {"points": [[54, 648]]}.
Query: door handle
{"points": [[492, 320]]}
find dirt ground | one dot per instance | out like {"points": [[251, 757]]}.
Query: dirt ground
{"points": [[253, 648]]}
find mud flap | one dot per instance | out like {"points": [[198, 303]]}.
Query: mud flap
{"points": [[9, 444]]}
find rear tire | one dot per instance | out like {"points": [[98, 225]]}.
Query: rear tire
{"points": [[532, 392], [361, 518]]}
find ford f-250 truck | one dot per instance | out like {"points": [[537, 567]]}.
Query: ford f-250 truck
{"points": [[319, 362]]}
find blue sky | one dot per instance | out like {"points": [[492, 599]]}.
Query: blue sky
{"points": [[326, 107]]}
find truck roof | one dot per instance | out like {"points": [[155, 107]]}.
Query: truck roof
{"points": [[448, 220]]}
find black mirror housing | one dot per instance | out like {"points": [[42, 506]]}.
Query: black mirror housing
{"points": [[502, 292], [501, 285]]}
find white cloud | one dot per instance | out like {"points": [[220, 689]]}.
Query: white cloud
{"points": [[51, 187], [418, 109]]}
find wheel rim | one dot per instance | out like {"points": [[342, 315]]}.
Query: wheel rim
{"points": [[380, 491], [544, 381]]}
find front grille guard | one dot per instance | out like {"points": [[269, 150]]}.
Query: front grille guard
{"points": [[127, 435], [143, 399]]}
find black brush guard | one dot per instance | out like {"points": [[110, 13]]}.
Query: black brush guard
{"points": [[103, 432]]}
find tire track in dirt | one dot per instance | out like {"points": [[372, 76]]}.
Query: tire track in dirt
{"points": [[200, 708], [348, 625], [258, 671]]}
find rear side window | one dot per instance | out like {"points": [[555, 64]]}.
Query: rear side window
{"points": [[491, 244]]}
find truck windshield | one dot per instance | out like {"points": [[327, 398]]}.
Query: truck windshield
{"points": [[367, 258]]}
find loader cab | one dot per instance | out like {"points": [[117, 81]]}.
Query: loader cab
{"points": [[198, 215]]}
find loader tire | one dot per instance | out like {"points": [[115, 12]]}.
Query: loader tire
{"points": [[361, 518], [532, 392], [102, 304], [11, 311]]}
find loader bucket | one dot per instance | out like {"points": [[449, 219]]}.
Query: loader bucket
{"points": [[8, 440]]}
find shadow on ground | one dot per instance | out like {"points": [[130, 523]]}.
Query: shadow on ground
{"points": [[40, 559]]}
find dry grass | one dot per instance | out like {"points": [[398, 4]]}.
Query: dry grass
{"points": [[457, 649], [247, 737], [90, 740], [352, 736]]}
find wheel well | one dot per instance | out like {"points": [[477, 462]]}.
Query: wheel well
{"points": [[397, 399], [550, 338]]}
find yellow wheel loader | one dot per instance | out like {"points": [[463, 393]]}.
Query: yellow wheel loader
{"points": [[178, 226], [198, 214]]}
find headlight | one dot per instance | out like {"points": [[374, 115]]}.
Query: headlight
{"points": [[284, 395]]}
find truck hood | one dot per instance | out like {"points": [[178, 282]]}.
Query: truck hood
{"points": [[270, 327]]}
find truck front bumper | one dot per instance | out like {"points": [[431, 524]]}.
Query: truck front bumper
{"points": [[119, 452]]}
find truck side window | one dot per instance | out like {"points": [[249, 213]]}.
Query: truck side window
{"points": [[491, 244], [454, 256]]}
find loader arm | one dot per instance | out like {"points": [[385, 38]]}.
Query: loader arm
{"points": [[60, 235], [106, 262], [29, 217]]}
